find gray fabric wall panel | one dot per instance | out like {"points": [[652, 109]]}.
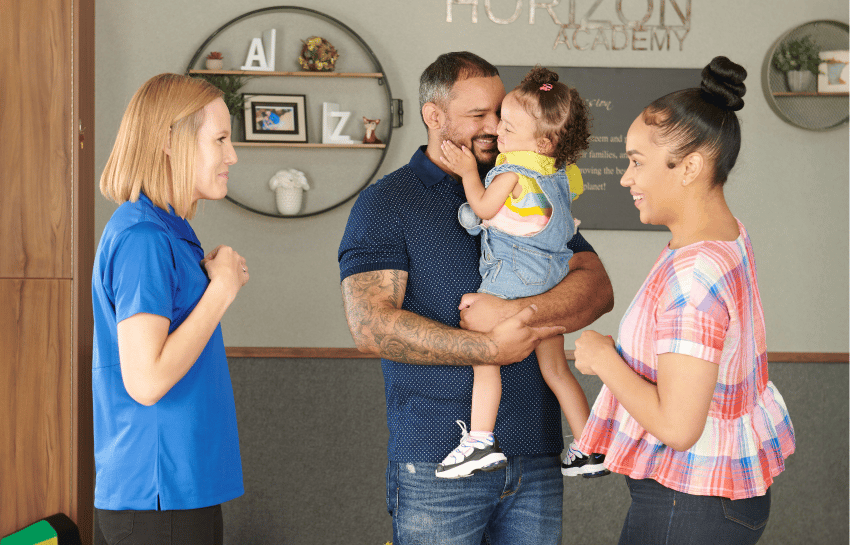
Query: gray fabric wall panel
{"points": [[313, 436]]}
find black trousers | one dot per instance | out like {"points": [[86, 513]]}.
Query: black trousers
{"points": [[178, 527]]}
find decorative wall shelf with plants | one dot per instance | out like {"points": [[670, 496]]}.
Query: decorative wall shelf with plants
{"points": [[799, 100], [336, 172]]}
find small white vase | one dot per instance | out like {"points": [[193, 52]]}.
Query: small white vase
{"points": [[799, 80], [288, 200], [215, 64]]}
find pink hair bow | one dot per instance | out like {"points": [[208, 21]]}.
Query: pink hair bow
{"points": [[546, 87]]}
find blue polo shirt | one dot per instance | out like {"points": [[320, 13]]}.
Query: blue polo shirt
{"points": [[408, 221], [183, 451]]}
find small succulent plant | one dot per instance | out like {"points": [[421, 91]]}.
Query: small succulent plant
{"points": [[799, 54]]}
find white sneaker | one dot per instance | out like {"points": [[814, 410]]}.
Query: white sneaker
{"points": [[577, 463], [470, 456]]}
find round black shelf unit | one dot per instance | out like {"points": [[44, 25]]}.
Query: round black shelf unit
{"points": [[810, 110], [381, 81]]}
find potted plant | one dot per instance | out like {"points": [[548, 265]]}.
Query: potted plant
{"points": [[230, 84], [289, 186], [799, 60], [215, 61]]}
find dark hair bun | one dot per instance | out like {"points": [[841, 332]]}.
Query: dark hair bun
{"points": [[540, 75], [723, 84]]}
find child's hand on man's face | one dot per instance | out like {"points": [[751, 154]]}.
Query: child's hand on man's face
{"points": [[461, 161]]}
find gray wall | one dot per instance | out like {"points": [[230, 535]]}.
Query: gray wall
{"points": [[790, 187], [313, 436]]}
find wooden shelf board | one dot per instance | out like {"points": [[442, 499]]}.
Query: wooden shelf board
{"points": [[810, 94], [291, 74], [304, 145]]}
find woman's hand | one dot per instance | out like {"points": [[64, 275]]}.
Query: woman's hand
{"points": [[225, 265], [592, 350], [154, 360], [674, 408]]}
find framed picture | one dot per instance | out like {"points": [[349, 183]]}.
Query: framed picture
{"points": [[275, 118], [834, 71]]}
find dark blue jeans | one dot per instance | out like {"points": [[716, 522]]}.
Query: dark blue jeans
{"points": [[661, 516], [518, 505]]}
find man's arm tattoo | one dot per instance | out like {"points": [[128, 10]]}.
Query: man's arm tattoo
{"points": [[372, 302]]}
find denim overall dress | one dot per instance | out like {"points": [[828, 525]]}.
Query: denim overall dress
{"points": [[514, 266]]}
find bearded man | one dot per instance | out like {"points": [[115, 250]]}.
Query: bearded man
{"points": [[405, 263]]}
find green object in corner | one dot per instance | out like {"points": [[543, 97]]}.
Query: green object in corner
{"points": [[56, 529], [40, 532]]}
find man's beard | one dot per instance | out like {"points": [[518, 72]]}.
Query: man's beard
{"points": [[485, 159]]}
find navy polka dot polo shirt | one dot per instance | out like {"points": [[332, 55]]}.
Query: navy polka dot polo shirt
{"points": [[408, 221]]}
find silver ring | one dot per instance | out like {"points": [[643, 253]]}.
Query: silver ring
{"points": [[244, 270]]}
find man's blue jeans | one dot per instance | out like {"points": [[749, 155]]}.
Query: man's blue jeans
{"points": [[660, 516], [520, 504]]}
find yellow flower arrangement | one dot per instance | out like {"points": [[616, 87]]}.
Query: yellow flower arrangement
{"points": [[317, 55]]}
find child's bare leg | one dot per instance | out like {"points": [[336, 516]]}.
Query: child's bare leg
{"points": [[486, 396], [479, 449], [556, 372]]}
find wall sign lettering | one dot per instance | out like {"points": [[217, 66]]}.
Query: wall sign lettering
{"points": [[582, 25]]}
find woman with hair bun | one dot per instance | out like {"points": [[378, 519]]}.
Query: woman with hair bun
{"points": [[687, 412]]}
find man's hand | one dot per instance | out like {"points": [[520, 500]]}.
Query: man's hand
{"points": [[515, 339], [578, 300], [372, 302], [482, 311]]}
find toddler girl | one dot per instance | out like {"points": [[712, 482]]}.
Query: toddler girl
{"points": [[525, 206]]}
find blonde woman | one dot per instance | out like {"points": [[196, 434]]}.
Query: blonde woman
{"points": [[687, 412], [166, 444]]}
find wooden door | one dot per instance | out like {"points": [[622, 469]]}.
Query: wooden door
{"points": [[46, 252]]}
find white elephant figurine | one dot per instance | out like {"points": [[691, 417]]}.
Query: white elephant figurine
{"points": [[289, 186]]}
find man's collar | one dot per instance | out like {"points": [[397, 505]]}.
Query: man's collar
{"points": [[427, 171], [430, 173]]}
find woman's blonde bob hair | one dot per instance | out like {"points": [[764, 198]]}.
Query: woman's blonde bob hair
{"points": [[138, 162]]}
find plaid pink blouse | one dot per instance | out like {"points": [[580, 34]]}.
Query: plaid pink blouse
{"points": [[703, 301]]}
